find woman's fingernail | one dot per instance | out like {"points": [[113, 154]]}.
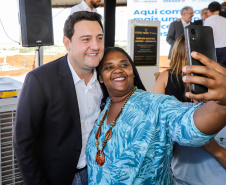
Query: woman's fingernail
{"points": [[187, 94], [184, 68], [194, 53], [184, 78]]}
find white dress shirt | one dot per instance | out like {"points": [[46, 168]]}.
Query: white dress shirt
{"points": [[82, 7], [89, 99], [218, 23], [184, 23]]}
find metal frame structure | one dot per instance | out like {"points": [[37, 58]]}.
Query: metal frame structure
{"points": [[9, 170]]}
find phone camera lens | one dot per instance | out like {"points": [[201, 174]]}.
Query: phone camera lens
{"points": [[193, 31]]}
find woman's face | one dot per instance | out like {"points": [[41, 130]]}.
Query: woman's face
{"points": [[116, 73]]}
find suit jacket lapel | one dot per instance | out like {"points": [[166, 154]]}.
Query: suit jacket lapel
{"points": [[68, 89], [181, 26]]}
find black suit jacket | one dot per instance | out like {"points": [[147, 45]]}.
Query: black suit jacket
{"points": [[47, 130], [176, 29]]}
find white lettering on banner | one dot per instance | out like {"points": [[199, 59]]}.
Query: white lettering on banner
{"points": [[165, 11]]}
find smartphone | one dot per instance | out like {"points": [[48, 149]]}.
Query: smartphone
{"points": [[199, 38]]}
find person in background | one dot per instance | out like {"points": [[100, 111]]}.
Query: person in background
{"points": [[176, 28], [86, 5], [192, 165], [170, 81], [204, 15], [58, 106], [201, 165], [132, 140], [218, 24], [223, 9]]}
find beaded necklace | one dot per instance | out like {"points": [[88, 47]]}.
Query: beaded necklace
{"points": [[100, 156]]}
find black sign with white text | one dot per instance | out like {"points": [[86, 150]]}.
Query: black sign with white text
{"points": [[145, 46]]}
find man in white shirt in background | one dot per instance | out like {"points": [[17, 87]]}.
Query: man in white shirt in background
{"points": [[86, 5], [218, 23]]}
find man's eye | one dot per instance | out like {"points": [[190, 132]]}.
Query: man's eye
{"points": [[100, 38], [85, 39]]}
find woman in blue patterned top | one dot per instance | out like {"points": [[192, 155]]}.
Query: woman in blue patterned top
{"points": [[133, 138]]}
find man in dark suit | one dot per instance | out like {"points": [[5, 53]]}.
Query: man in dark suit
{"points": [[176, 28], [58, 106], [204, 15]]}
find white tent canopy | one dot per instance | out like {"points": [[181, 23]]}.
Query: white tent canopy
{"points": [[70, 3]]}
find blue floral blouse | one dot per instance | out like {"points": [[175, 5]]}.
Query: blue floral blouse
{"points": [[140, 149]]}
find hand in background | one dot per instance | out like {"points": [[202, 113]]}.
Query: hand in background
{"points": [[216, 150]]}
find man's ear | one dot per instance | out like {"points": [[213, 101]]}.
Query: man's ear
{"points": [[209, 12], [100, 79], [66, 42]]}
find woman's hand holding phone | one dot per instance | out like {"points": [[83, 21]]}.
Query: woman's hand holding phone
{"points": [[200, 39], [214, 78]]}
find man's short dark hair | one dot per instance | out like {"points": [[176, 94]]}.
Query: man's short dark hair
{"points": [[214, 6], [77, 17]]}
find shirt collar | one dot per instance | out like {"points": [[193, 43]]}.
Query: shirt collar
{"points": [[76, 78], [87, 8], [184, 23]]}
